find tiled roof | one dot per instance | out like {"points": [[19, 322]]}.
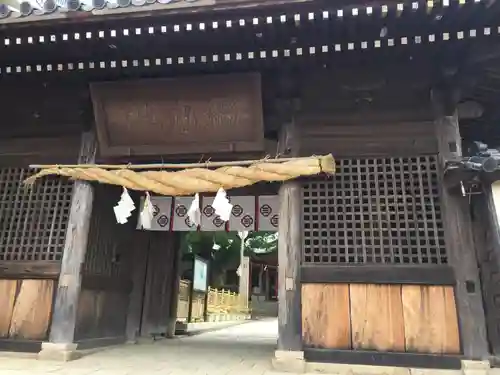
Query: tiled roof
{"points": [[75, 7]]}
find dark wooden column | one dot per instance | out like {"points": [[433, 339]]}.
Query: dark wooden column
{"points": [[487, 239], [458, 235], [68, 289], [289, 250]]}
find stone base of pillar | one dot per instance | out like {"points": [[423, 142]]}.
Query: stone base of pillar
{"points": [[58, 352], [171, 328], [475, 367], [292, 362], [289, 361]]}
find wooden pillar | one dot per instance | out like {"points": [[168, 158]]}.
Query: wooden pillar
{"points": [[458, 237], [244, 279], [268, 286], [486, 222], [289, 251], [261, 279], [68, 290]]}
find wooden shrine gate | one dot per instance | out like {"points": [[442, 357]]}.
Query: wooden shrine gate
{"points": [[378, 263]]}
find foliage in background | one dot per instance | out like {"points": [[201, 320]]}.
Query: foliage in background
{"points": [[226, 254]]}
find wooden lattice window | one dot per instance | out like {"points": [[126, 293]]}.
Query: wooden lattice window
{"points": [[33, 219], [375, 210]]}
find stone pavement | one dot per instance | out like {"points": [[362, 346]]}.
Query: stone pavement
{"points": [[245, 349]]}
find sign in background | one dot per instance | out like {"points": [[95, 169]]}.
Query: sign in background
{"points": [[200, 275], [249, 213]]}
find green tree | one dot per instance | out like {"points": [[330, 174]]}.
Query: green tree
{"points": [[226, 252]]}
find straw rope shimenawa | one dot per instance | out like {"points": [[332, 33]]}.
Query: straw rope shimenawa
{"points": [[193, 178]]}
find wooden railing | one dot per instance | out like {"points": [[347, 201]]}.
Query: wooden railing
{"points": [[225, 302], [219, 302], [184, 299]]}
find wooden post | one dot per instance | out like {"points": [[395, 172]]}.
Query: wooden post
{"points": [[261, 279], [191, 295], [244, 279], [205, 297], [75, 246], [458, 236], [268, 286], [486, 221], [289, 251]]}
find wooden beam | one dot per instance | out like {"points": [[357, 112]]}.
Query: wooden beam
{"points": [[378, 274], [289, 251], [458, 236], [24, 151], [30, 270], [75, 247], [375, 358]]}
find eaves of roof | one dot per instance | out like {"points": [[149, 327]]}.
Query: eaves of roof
{"points": [[12, 11]]}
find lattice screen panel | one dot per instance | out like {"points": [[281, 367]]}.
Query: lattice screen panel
{"points": [[375, 210], [32, 220]]}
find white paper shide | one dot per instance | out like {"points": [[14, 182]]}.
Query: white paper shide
{"points": [[194, 212], [221, 205], [123, 210], [147, 213]]}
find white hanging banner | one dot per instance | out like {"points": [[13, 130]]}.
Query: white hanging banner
{"points": [[248, 213], [210, 221], [243, 213], [161, 213], [267, 213], [181, 221]]}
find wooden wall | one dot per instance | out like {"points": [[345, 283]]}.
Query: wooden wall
{"points": [[374, 113], [43, 109], [158, 291], [395, 318], [42, 124], [26, 307], [32, 232], [106, 280], [376, 283]]}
